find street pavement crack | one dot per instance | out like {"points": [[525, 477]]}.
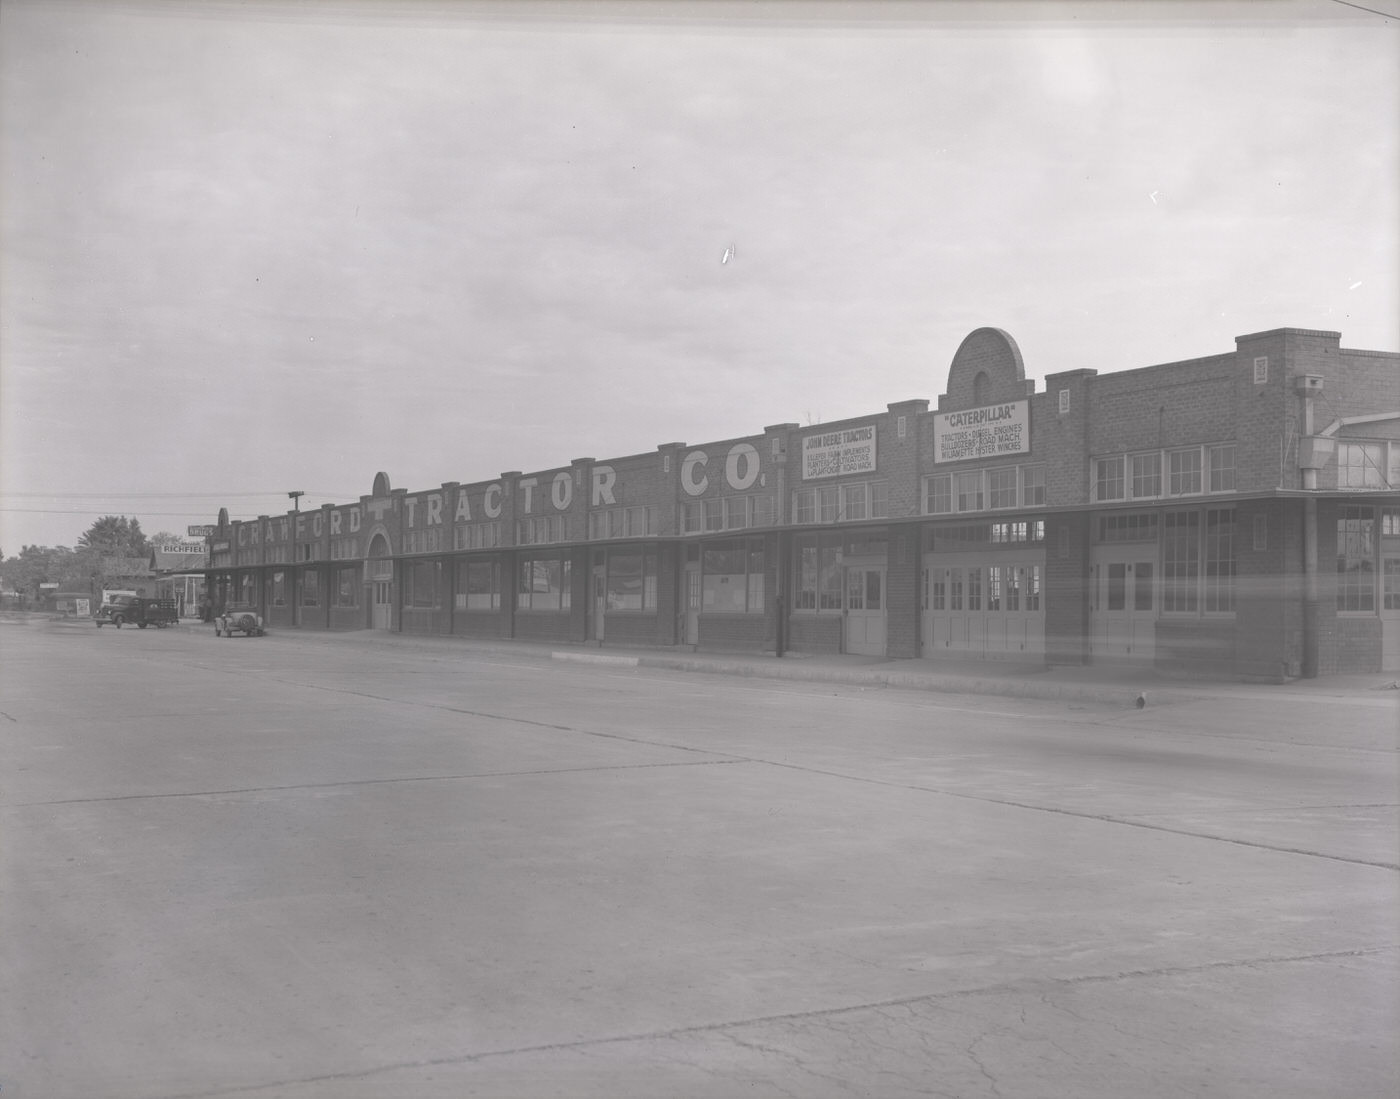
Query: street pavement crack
{"points": [[731, 757], [1106, 818], [1042, 987], [348, 783]]}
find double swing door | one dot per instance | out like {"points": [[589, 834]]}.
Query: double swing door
{"points": [[1123, 596], [985, 606]]}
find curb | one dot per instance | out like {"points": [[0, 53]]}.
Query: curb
{"points": [[916, 681], [597, 658]]}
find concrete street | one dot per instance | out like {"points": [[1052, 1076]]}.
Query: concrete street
{"points": [[348, 866]]}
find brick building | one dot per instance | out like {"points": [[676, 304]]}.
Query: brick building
{"points": [[1237, 514]]}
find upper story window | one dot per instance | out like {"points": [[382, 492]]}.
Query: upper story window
{"points": [[849, 502], [726, 513], [344, 548], [477, 535], [424, 541], [1162, 474], [540, 530], [1368, 465], [633, 522], [984, 489]]}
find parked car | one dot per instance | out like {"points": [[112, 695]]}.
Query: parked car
{"points": [[244, 620], [136, 609]]}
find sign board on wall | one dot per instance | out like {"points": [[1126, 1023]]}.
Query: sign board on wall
{"points": [[838, 453], [988, 432], [199, 532]]}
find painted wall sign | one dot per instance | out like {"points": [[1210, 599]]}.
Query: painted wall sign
{"points": [[838, 453], [982, 432], [741, 469]]}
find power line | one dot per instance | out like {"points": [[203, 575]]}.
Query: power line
{"points": [[1373, 11], [89, 511], [168, 495]]}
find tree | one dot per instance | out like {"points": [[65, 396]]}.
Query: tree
{"points": [[115, 536], [37, 565]]}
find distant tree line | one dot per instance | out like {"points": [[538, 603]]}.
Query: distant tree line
{"points": [[76, 568]]}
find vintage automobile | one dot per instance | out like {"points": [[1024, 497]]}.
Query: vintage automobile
{"points": [[240, 619], [142, 612]]}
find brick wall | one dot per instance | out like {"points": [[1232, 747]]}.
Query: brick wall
{"points": [[1067, 589], [749, 632], [902, 574], [820, 633], [1268, 590], [487, 624], [1060, 439]]}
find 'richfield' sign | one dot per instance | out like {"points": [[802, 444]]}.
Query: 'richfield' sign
{"points": [[982, 432]]}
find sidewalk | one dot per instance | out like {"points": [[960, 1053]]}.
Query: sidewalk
{"points": [[1108, 685]]}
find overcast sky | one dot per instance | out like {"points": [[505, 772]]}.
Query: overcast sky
{"points": [[261, 246]]}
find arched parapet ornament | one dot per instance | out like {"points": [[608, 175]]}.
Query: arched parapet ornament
{"points": [[986, 369]]}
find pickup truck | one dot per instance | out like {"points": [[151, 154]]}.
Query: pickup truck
{"points": [[136, 609]]}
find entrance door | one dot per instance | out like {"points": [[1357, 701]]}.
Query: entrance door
{"points": [[865, 611], [383, 609], [600, 599], [1123, 604], [379, 571], [692, 603]]}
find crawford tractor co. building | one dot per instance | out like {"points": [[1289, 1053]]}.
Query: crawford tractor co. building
{"points": [[1236, 514]]}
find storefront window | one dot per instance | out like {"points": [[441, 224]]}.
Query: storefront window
{"points": [[1356, 559], [347, 587], [1181, 558], [544, 583], [631, 582], [732, 577], [818, 574], [1220, 560], [420, 585], [478, 586]]}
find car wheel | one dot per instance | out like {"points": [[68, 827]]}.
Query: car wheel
{"points": [[140, 625], [117, 621]]}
